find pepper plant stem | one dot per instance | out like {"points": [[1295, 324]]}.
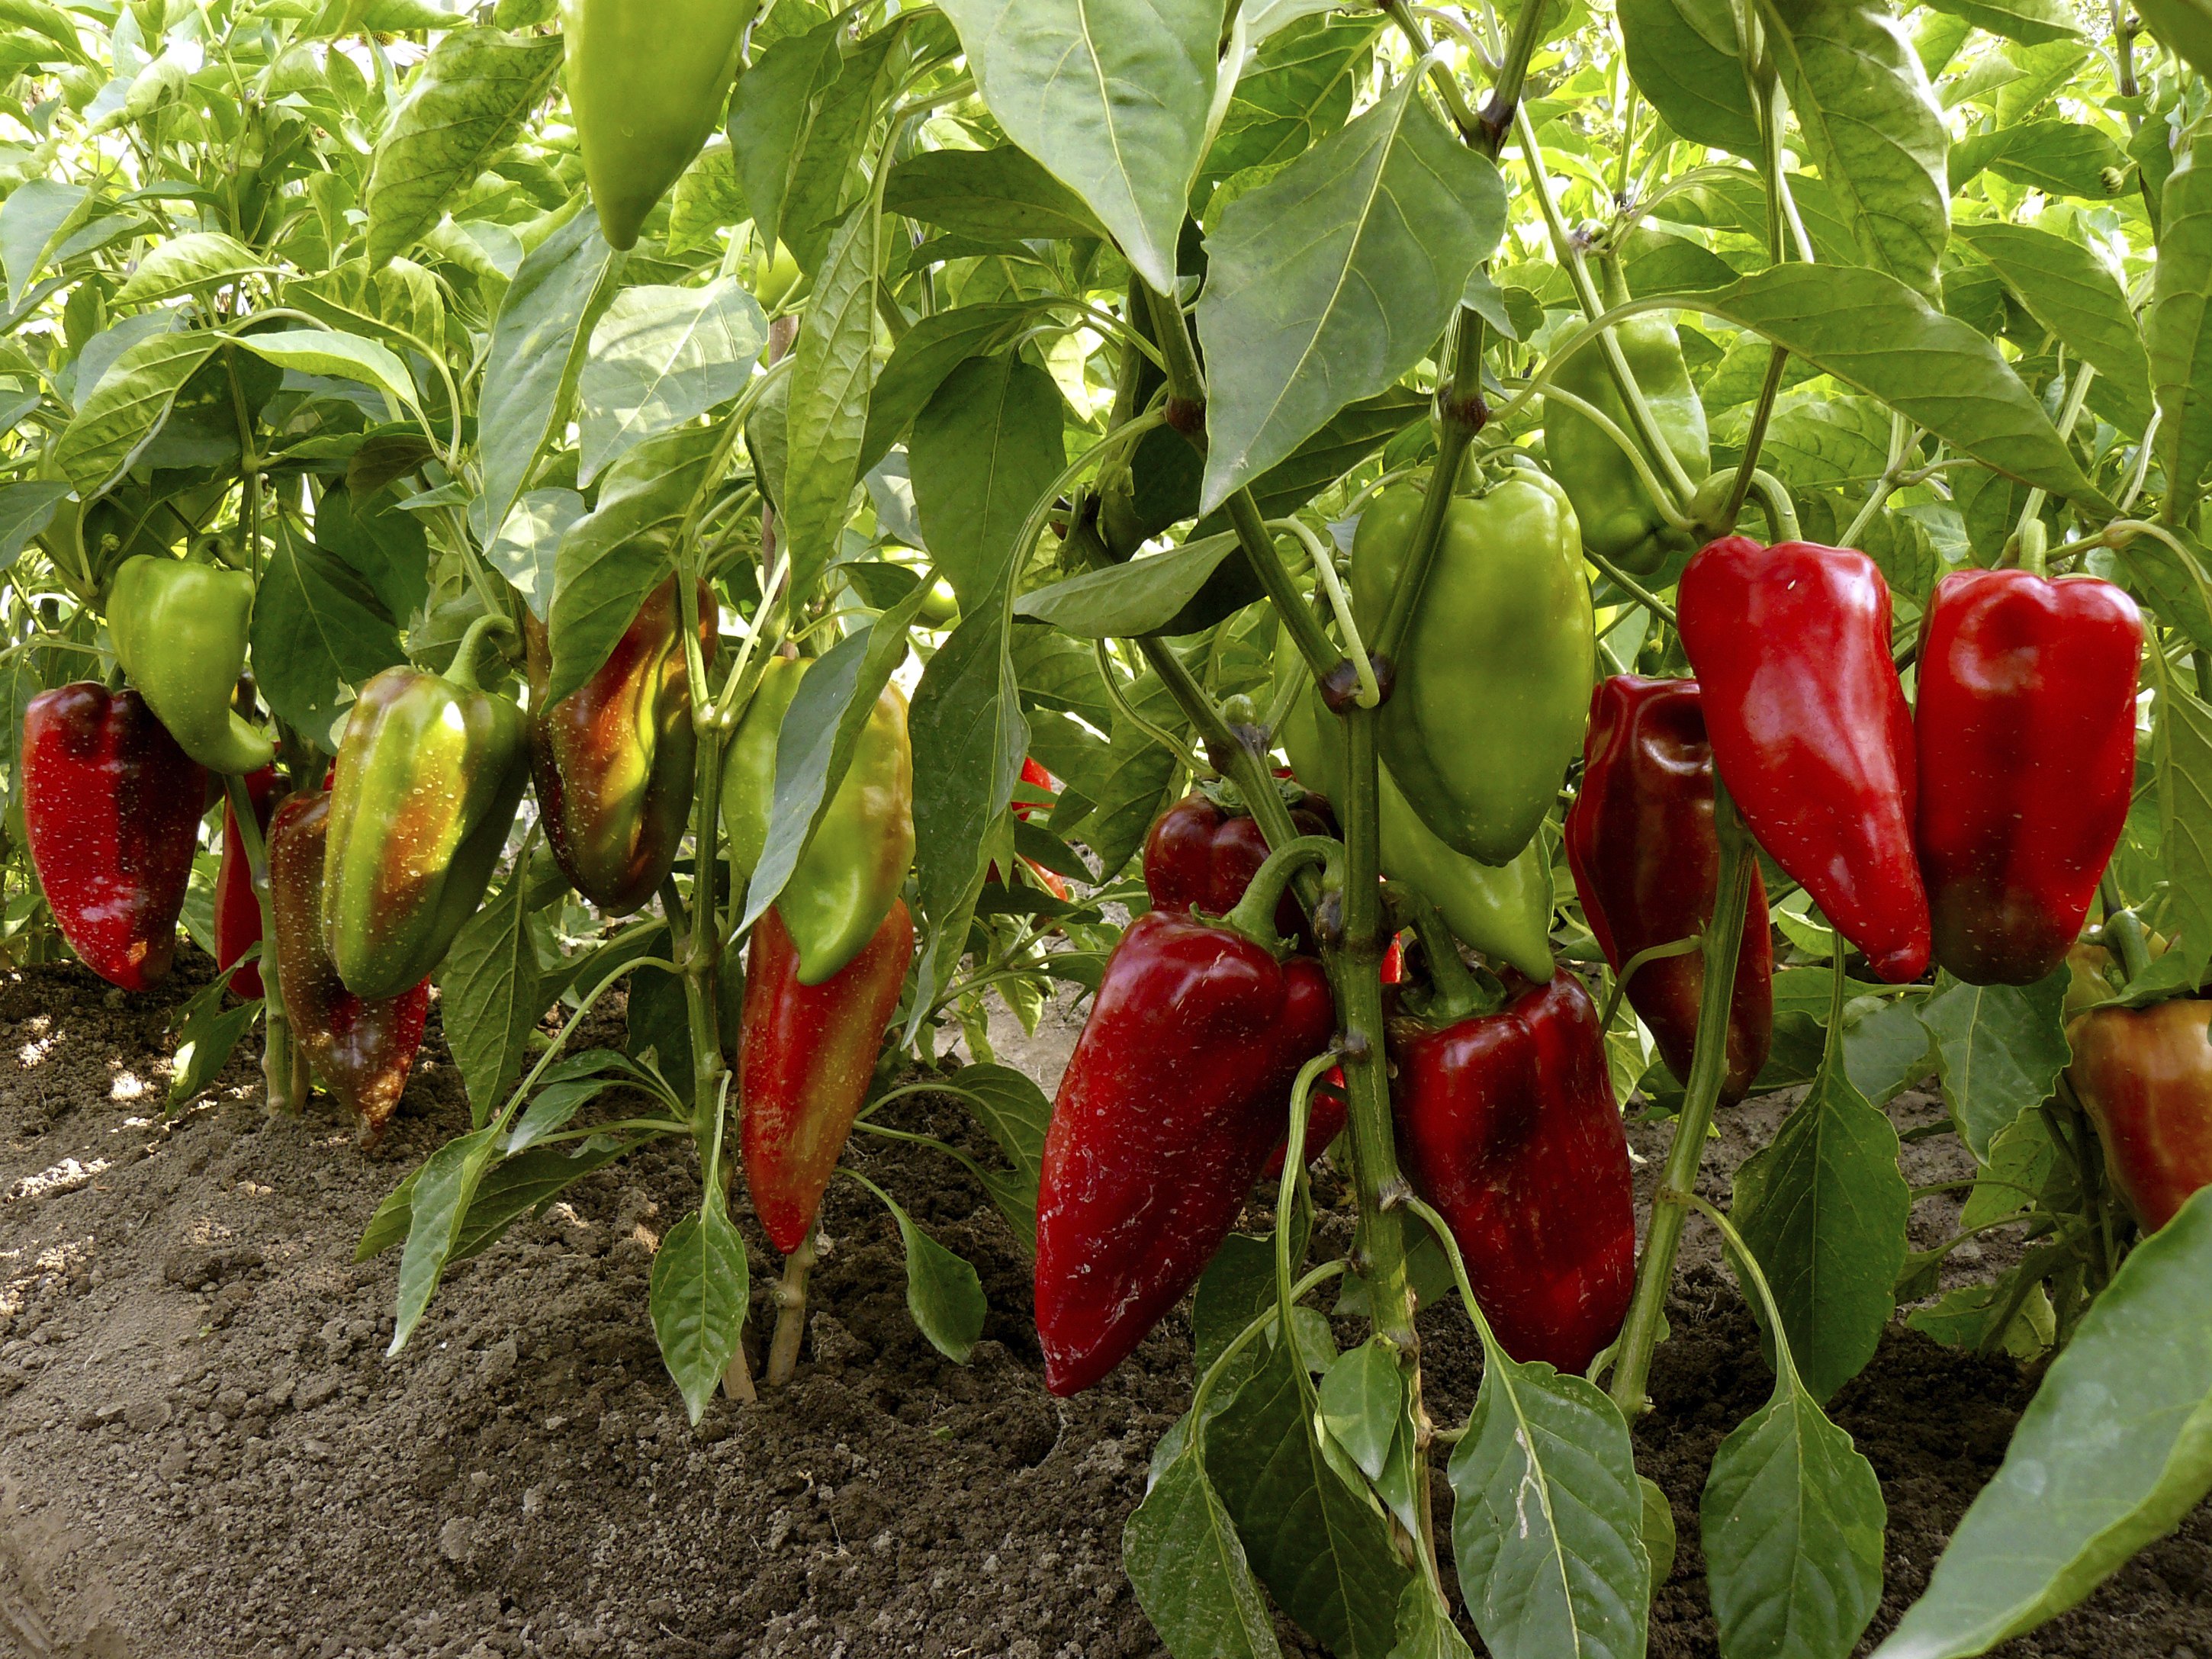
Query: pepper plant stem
{"points": [[285, 1089], [791, 1311], [1655, 1272], [1460, 415]]}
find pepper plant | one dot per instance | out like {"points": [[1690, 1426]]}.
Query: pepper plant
{"points": [[738, 507]]}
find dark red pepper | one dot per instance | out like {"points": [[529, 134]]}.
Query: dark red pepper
{"points": [[1169, 1105], [111, 809], [1646, 860], [2027, 728], [1507, 1123], [1200, 852], [1810, 730], [237, 907], [359, 1050]]}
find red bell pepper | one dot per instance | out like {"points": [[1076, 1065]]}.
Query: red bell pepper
{"points": [[1791, 645], [2026, 726], [111, 809], [1508, 1125], [1202, 853], [1646, 860], [237, 907], [361, 1050], [805, 1054], [2144, 1075], [1038, 778], [1169, 1105]]}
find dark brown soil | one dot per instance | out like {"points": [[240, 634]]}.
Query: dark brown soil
{"points": [[203, 1451]]}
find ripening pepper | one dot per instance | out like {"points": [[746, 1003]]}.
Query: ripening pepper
{"points": [[805, 1057], [360, 1049], [179, 631], [1501, 911], [237, 906], [648, 79], [1494, 677], [1646, 859], [1508, 1125], [850, 874], [1790, 645], [614, 760], [1200, 853], [2144, 1075], [1169, 1107], [111, 811], [2026, 727], [1620, 520], [429, 773]]}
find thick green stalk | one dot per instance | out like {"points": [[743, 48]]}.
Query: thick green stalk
{"points": [[1460, 415], [281, 1063]]}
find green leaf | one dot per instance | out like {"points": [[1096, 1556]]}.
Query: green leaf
{"points": [[2072, 293], [1112, 96], [207, 1034], [2025, 1166], [1999, 1049], [2030, 22], [529, 1180], [1684, 57], [38, 215], [1188, 1567], [443, 1188], [199, 259], [943, 1293], [334, 356], [984, 450], [2186, 27], [769, 113], [26, 507], [2115, 1449], [2060, 158], [465, 104], [1659, 1538], [661, 357], [1330, 281], [925, 354], [843, 123], [2184, 800], [1298, 91], [492, 991], [527, 549], [1547, 1523], [386, 547], [319, 629], [828, 411], [2180, 329], [1362, 1399], [1015, 1113], [986, 193], [115, 423], [1125, 600], [1823, 1207], [698, 1299], [1962, 1318], [708, 197]]}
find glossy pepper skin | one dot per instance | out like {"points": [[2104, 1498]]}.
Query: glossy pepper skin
{"points": [[2025, 729], [1619, 518], [1495, 672], [648, 79], [850, 874], [111, 811], [360, 1049], [1170, 1106], [2144, 1075], [1503, 912], [429, 773], [613, 760], [237, 907], [1646, 861], [1791, 645], [179, 631], [805, 1057], [1199, 853], [1508, 1125]]}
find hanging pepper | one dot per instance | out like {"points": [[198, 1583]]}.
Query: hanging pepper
{"points": [[1501, 911], [804, 1058], [112, 811], [1201, 853], [360, 1049], [850, 874], [1494, 676], [179, 630], [237, 907], [2144, 1075], [2025, 728], [613, 760], [1791, 645], [1646, 859], [1620, 520], [430, 772], [1169, 1105], [1508, 1125], [648, 79]]}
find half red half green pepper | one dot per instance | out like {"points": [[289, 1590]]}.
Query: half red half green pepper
{"points": [[111, 811], [2144, 1075], [237, 906]]}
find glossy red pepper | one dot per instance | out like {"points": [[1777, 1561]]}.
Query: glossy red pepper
{"points": [[1791, 644], [361, 1050], [2145, 1077], [1200, 852], [237, 907], [1646, 860], [1169, 1105], [111, 809], [1508, 1125], [2026, 731], [805, 1054]]}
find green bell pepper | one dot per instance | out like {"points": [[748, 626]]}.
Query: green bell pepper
{"points": [[179, 631], [1494, 674], [1620, 520], [429, 773]]}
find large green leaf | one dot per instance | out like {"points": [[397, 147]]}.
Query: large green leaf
{"points": [[2181, 332], [1685, 56], [984, 451], [827, 412], [2186, 26], [661, 357], [2060, 158], [1188, 1569], [2030, 22], [925, 354], [438, 1205], [118, 419], [1999, 1049], [770, 114], [492, 989], [319, 629], [1140, 597], [698, 1299], [2076, 295], [986, 193], [1297, 92]]}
